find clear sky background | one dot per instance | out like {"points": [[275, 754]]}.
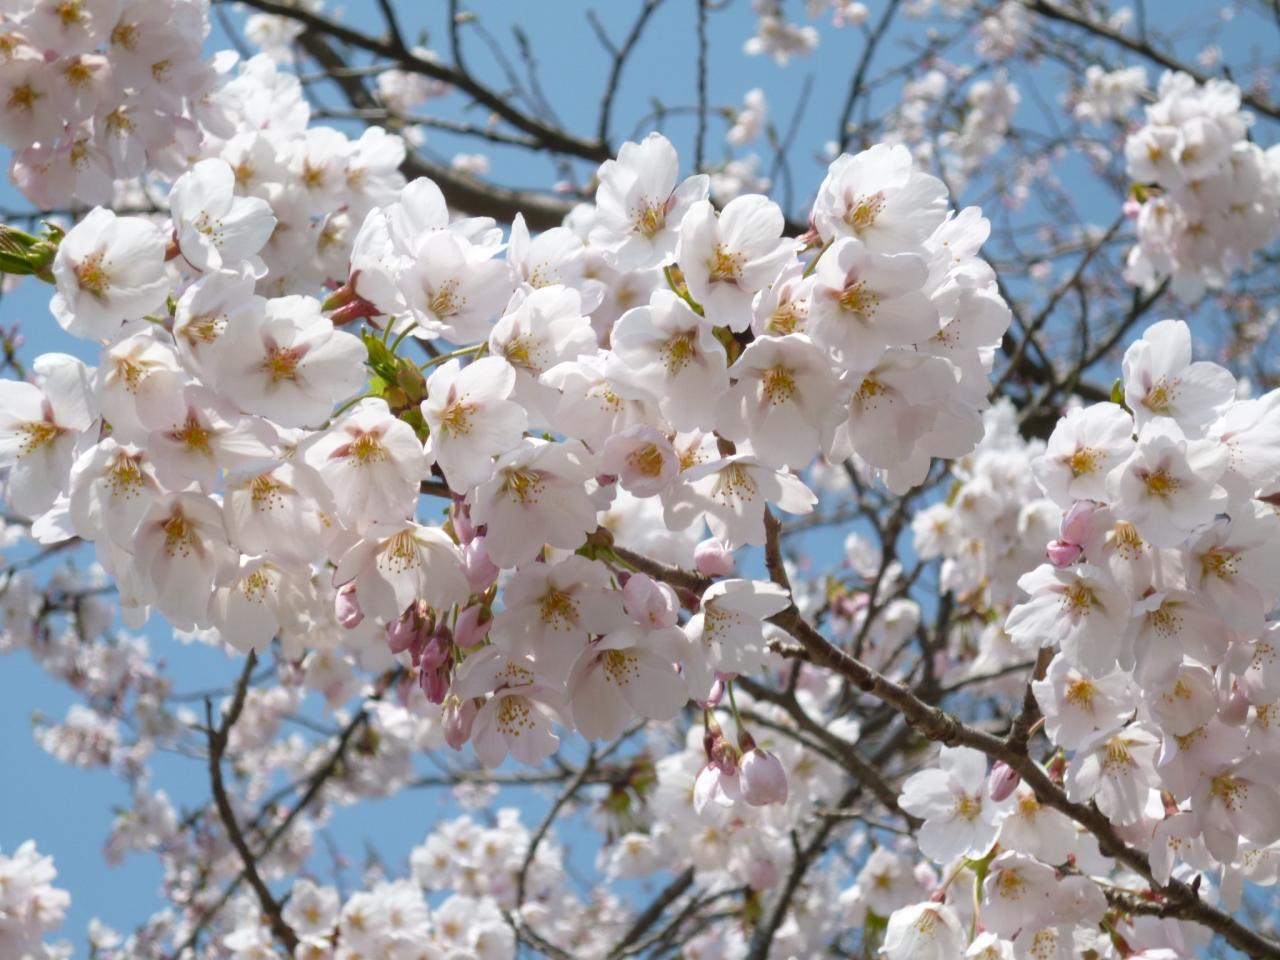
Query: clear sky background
{"points": [[69, 811]]}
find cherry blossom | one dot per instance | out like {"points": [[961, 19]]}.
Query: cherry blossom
{"points": [[470, 419], [108, 269], [960, 819]]}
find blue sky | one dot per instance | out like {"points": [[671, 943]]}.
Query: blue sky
{"points": [[69, 811]]}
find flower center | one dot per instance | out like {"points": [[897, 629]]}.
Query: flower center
{"points": [[679, 352], [1221, 563], [24, 98], [523, 486], [70, 12], [194, 435], [179, 536], [265, 493], [514, 716], [456, 419], [93, 277], [1078, 599], [1160, 484], [733, 485], [859, 301], [366, 449], [650, 219], [647, 460], [78, 73], [1080, 694], [870, 389], [255, 586], [125, 478], [1083, 461], [125, 35], [399, 555], [559, 610], [36, 434], [1127, 542], [863, 212], [1161, 396], [786, 319], [282, 363], [967, 807], [779, 385], [204, 329], [445, 302], [1010, 886], [1116, 755], [619, 667], [725, 265], [1164, 622]]}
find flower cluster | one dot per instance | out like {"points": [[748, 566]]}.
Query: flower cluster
{"points": [[30, 906], [1208, 198], [204, 458], [1160, 697], [96, 91]]}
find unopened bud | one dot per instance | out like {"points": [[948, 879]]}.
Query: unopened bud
{"points": [[714, 697], [472, 626], [437, 651], [1077, 523], [1063, 554], [480, 571], [411, 628], [456, 719], [346, 607], [762, 778], [460, 514], [713, 558], [1003, 781], [649, 602], [435, 684], [1236, 710], [762, 874]]}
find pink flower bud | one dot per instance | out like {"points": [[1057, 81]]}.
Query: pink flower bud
{"points": [[411, 628], [346, 607], [762, 874], [1236, 710], [762, 778], [649, 602], [1131, 209], [714, 698], [713, 558], [435, 684], [457, 718], [1003, 781], [460, 514], [714, 793], [437, 651], [480, 571], [1063, 554], [472, 626], [1077, 523]]}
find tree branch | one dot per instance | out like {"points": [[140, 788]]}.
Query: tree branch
{"points": [[217, 745]]}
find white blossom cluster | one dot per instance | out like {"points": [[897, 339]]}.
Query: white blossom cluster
{"points": [[1208, 198], [204, 458], [30, 906], [95, 91], [479, 490], [1162, 693]]}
